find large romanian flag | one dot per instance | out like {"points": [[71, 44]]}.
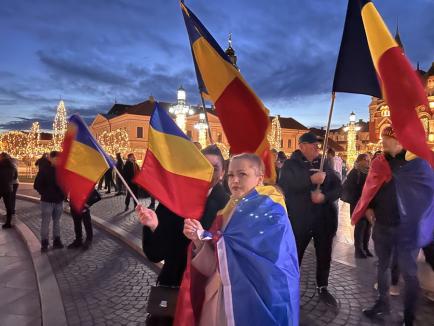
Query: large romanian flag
{"points": [[371, 62], [81, 164], [242, 114], [174, 170]]}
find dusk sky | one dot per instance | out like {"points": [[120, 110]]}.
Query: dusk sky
{"points": [[91, 52]]}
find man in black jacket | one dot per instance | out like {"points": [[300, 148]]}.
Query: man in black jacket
{"points": [[312, 211], [383, 212], [51, 202], [7, 174]]}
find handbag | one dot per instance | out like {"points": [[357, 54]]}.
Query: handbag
{"points": [[162, 301]]}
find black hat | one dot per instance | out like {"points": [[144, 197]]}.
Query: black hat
{"points": [[309, 138]]}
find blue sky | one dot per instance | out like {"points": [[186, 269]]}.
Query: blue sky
{"points": [[90, 53]]}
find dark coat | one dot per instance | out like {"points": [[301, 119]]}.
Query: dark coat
{"points": [[46, 185], [8, 172], [129, 171], [297, 187], [168, 242], [385, 203], [352, 188]]}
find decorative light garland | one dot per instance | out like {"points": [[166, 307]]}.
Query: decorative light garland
{"points": [[275, 135], [114, 142], [59, 126]]}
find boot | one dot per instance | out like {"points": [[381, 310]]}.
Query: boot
{"points": [[378, 310], [44, 245], [87, 244], [57, 244], [77, 243], [360, 254]]}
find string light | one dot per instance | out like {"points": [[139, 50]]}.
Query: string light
{"points": [[114, 142], [275, 135], [223, 149], [59, 126]]}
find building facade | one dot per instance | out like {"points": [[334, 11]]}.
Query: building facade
{"points": [[135, 120]]}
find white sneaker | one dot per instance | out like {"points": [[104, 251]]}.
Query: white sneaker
{"points": [[394, 290]]}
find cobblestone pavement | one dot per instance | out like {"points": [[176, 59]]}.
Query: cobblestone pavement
{"points": [[352, 286], [107, 285]]}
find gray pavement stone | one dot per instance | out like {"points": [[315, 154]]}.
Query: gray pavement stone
{"points": [[104, 278]]}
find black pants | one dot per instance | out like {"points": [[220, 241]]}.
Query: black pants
{"points": [[135, 190], [119, 184], [7, 200], [323, 242], [14, 197], [84, 218], [108, 180], [386, 245], [362, 234]]}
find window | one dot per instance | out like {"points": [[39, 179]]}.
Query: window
{"points": [[289, 143], [139, 132], [189, 133]]}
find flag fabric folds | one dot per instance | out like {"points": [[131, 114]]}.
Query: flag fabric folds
{"points": [[242, 114], [401, 87], [257, 262], [174, 170], [81, 163]]}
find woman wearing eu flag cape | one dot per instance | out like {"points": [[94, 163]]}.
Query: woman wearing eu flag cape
{"points": [[245, 270]]}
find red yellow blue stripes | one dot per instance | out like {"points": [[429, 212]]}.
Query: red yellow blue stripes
{"points": [[401, 87], [174, 171], [82, 163], [242, 114]]}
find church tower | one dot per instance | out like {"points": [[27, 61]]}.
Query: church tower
{"points": [[231, 52]]}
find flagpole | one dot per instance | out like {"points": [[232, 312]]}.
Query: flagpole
{"points": [[206, 118], [126, 185], [326, 138]]}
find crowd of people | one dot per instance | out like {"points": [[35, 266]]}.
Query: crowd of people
{"points": [[302, 206]]}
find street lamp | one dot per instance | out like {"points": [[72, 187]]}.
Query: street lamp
{"points": [[351, 130], [202, 127], [181, 110]]}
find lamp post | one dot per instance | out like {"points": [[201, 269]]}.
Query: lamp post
{"points": [[181, 110], [351, 130], [202, 127]]}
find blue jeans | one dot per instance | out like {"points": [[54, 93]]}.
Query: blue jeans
{"points": [[50, 211], [386, 246]]}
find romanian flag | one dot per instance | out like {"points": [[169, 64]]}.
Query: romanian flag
{"points": [[242, 114], [81, 163], [371, 62], [174, 170]]}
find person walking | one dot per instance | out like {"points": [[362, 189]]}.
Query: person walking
{"points": [[352, 190], [310, 199], [52, 199], [15, 185], [108, 180], [130, 170], [7, 175]]}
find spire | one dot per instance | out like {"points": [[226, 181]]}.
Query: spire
{"points": [[231, 52], [398, 36]]}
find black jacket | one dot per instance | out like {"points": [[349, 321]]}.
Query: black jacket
{"points": [[129, 171], [8, 172], [295, 182], [168, 242], [385, 203], [46, 185], [352, 188]]}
